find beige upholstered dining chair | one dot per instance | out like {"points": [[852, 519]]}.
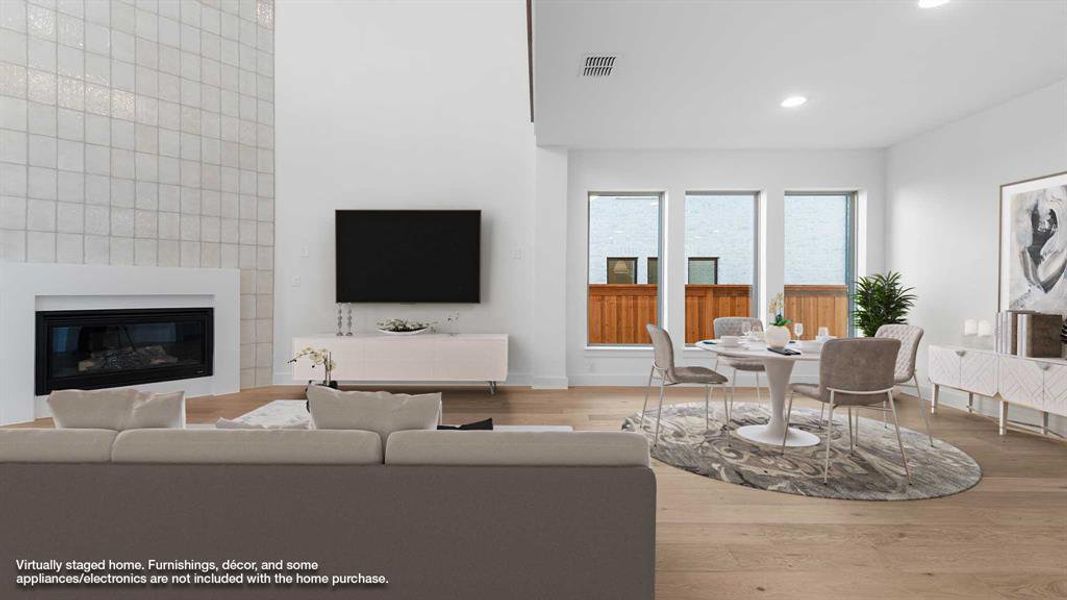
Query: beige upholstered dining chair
{"points": [[855, 372], [663, 368], [733, 326], [904, 373]]}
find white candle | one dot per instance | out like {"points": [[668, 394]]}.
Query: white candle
{"points": [[985, 328], [970, 327]]}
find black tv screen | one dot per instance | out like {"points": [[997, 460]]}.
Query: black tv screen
{"points": [[408, 255]]}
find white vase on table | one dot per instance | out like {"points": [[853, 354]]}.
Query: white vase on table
{"points": [[777, 336]]}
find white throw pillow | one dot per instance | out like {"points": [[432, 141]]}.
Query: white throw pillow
{"points": [[380, 412], [117, 409]]}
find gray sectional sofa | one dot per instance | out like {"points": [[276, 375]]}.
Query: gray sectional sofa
{"points": [[440, 514]]}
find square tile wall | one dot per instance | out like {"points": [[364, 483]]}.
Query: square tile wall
{"points": [[141, 132]]}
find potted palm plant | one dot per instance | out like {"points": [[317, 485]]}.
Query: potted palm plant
{"points": [[881, 299]]}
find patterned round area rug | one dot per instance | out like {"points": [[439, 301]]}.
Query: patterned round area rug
{"points": [[872, 472]]}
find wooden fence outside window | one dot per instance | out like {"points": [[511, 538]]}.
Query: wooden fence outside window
{"points": [[618, 312]]}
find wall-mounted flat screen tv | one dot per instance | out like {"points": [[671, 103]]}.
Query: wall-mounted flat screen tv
{"points": [[408, 255]]}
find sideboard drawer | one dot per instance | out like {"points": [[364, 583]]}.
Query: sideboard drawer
{"points": [[1021, 381], [978, 372], [944, 365], [1055, 399]]}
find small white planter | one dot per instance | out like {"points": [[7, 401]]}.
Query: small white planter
{"points": [[777, 336]]}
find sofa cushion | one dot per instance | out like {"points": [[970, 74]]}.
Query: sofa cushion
{"points": [[116, 409], [246, 446], [517, 448], [56, 445], [373, 411]]}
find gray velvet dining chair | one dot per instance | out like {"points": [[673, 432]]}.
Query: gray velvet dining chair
{"points": [[854, 373], [734, 326], [663, 367], [904, 373]]}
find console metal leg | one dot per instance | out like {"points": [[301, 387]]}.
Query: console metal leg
{"points": [[492, 388], [1003, 418], [934, 397]]}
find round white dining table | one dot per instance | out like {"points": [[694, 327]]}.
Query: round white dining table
{"points": [[778, 368]]}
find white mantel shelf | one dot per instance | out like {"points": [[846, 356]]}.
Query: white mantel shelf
{"points": [[423, 358]]}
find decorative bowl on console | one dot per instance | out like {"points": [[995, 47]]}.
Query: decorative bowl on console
{"points": [[403, 327]]}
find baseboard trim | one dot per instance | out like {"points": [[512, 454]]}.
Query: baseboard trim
{"points": [[550, 383]]}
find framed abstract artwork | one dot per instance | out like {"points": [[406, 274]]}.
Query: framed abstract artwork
{"points": [[1033, 245]]}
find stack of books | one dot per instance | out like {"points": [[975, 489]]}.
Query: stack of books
{"points": [[1029, 333]]}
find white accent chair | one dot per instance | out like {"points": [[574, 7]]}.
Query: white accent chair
{"points": [[904, 373]]}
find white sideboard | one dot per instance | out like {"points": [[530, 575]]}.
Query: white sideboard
{"points": [[1037, 383], [410, 358]]}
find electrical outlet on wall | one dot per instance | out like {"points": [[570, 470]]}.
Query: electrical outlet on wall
{"points": [[516, 253], [296, 281]]}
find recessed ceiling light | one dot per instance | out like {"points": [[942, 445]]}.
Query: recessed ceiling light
{"points": [[932, 3], [793, 101]]}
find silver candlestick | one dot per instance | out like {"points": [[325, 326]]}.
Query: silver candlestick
{"points": [[349, 320], [339, 332]]}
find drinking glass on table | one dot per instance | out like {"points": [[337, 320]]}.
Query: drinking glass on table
{"points": [[746, 328], [798, 328], [824, 332]]}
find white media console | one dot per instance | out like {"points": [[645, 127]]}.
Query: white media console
{"points": [[1038, 383], [426, 357]]}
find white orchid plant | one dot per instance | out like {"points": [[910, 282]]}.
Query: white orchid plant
{"points": [[318, 356], [776, 308]]}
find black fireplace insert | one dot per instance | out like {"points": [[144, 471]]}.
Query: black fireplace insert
{"points": [[91, 349]]}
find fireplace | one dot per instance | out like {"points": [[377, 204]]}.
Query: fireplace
{"points": [[90, 349]]}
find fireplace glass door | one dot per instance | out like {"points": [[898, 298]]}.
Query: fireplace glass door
{"points": [[109, 348]]}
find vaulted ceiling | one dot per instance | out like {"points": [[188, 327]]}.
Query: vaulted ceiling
{"points": [[711, 74]]}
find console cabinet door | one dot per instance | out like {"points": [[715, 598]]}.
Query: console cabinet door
{"points": [[1055, 400], [978, 372], [1021, 381], [944, 364]]}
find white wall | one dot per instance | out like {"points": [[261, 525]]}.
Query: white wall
{"points": [[403, 105], [943, 190], [674, 172]]}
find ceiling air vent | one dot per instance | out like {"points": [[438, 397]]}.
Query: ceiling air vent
{"points": [[598, 65]]}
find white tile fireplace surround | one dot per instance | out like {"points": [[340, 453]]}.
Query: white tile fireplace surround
{"points": [[27, 288]]}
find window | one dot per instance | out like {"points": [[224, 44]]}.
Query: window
{"points": [[720, 249], [623, 291], [622, 270], [704, 270], [818, 280]]}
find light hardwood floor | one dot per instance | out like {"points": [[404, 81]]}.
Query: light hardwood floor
{"points": [[1006, 538]]}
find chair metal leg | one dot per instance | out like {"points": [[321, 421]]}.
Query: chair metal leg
{"points": [[857, 429], [659, 412], [644, 406], [707, 407], [851, 436], [900, 443], [922, 409], [758, 398], [733, 387], [727, 409], [829, 435], [788, 414]]}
